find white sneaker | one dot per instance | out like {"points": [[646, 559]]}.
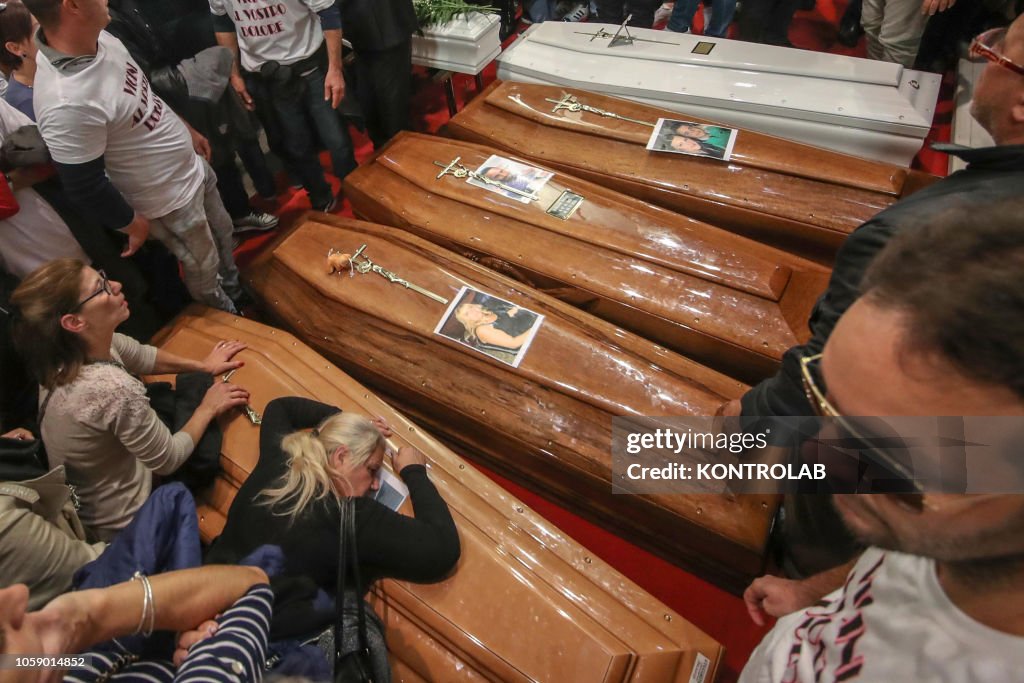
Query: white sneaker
{"points": [[662, 14], [579, 13]]}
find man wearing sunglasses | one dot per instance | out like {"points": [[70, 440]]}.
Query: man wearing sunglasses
{"points": [[994, 174], [939, 593]]}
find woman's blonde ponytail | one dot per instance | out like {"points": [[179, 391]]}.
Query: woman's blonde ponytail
{"points": [[310, 476]]}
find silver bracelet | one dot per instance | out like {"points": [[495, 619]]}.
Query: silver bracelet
{"points": [[148, 606]]}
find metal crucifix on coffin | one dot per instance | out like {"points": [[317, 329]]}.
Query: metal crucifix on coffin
{"points": [[570, 102], [360, 263], [622, 36], [456, 168]]}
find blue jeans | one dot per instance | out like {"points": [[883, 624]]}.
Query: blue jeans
{"points": [[332, 131], [540, 10], [295, 109], [722, 12]]}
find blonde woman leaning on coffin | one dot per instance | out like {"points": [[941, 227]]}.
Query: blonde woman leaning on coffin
{"points": [[95, 417], [287, 512]]}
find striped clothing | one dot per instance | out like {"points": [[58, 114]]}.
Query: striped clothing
{"points": [[236, 653]]}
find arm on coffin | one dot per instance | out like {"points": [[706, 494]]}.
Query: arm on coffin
{"points": [[342, 453], [782, 395]]}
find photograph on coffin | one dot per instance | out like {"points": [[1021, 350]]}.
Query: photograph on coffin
{"points": [[391, 491], [510, 178], [490, 325], [693, 139]]}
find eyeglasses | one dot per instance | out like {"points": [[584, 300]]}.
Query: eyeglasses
{"points": [[985, 46], [104, 288], [850, 435]]}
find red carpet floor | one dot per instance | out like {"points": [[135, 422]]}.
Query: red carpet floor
{"points": [[718, 613]]}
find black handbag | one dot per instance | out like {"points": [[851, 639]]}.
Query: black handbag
{"points": [[355, 666]]}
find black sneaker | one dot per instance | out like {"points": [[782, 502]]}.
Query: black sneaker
{"points": [[256, 221]]}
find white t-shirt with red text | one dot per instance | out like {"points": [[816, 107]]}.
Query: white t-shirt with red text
{"points": [[283, 31], [891, 622], [108, 109]]}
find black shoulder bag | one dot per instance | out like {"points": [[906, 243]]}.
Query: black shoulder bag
{"points": [[355, 666]]}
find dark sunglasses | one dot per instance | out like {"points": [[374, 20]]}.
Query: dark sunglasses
{"points": [[852, 433]]}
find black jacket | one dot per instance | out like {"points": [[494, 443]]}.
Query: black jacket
{"points": [[993, 173], [377, 24], [424, 548], [130, 24]]}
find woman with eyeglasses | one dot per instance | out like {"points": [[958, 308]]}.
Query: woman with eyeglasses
{"points": [[94, 415]]}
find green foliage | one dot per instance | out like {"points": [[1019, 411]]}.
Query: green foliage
{"points": [[433, 12]]}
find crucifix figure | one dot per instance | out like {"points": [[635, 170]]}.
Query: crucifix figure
{"points": [[456, 168], [253, 416], [360, 263], [618, 38], [570, 102]]}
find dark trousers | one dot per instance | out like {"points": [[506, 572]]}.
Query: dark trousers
{"points": [[614, 11], [767, 21], [384, 89], [299, 110]]}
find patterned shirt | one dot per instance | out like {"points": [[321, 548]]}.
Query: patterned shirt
{"points": [[236, 653]]}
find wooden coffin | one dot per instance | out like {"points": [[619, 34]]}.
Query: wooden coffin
{"points": [[526, 603], [796, 197], [721, 299], [546, 423]]}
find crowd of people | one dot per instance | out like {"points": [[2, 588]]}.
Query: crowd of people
{"points": [[128, 124]]}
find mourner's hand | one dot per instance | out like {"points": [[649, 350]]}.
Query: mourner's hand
{"points": [[200, 144], [334, 87], [930, 7], [137, 231], [65, 625], [21, 434], [407, 455], [733, 408], [220, 359], [223, 396], [189, 638], [776, 597], [382, 426], [238, 83]]}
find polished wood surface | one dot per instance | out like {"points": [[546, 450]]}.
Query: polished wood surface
{"points": [[727, 301], [547, 423], [526, 603], [800, 198]]}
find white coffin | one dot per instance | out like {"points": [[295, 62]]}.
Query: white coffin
{"points": [[464, 45], [870, 109], [967, 131]]}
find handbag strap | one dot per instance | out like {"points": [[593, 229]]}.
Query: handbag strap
{"points": [[354, 561], [339, 595], [347, 556]]}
